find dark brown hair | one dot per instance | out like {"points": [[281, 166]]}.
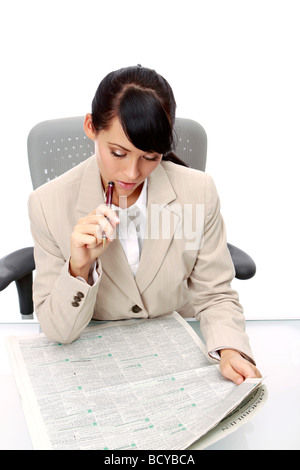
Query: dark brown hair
{"points": [[144, 102]]}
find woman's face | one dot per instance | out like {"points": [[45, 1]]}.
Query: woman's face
{"points": [[119, 161]]}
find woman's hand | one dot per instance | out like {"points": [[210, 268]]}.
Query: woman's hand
{"points": [[87, 239], [234, 367]]}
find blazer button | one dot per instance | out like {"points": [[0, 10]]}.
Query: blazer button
{"points": [[136, 309], [77, 298], [80, 294], [75, 304]]}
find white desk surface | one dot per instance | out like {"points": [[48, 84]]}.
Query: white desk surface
{"points": [[276, 346]]}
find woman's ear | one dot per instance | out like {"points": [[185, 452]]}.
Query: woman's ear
{"points": [[89, 127]]}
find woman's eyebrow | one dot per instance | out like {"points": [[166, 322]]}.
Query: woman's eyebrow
{"points": [[118, 145]]}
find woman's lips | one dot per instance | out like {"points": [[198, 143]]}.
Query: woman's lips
{"points": [[125, 185]]}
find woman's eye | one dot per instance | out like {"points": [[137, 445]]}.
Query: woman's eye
{"points": [[118, 155], [151, 159]]}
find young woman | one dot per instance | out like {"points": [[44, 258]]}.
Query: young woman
{"points": [[165, 247]]}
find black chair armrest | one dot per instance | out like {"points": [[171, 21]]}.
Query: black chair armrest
{"points": [[244, 265], [18, 267]]}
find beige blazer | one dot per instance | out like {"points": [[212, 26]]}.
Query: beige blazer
{"points": [[176, 272]]}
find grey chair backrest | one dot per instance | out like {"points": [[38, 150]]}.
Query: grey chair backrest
{"points": [[58, 145]]}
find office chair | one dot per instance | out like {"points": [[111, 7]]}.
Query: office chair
{"points": [[56, 146]]}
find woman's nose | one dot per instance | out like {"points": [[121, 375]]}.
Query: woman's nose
{"points": [[132, 171]]}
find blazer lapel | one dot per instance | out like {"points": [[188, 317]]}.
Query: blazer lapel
{"points": [[116, 267], [90, 192], [161, 225]]}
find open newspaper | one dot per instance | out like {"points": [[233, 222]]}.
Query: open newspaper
{"points": [[132, 384]]}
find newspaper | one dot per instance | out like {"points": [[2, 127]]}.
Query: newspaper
{"points": [[127, 385]]}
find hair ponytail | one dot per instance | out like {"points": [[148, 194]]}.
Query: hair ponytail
{"points": [[172, 157]]}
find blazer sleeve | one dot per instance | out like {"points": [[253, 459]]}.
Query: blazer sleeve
{"points": [[64, 305], [216, 304]]}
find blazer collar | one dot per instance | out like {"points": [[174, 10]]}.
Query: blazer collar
{"points": [[160, 190], [155, 247], [114, 262]]}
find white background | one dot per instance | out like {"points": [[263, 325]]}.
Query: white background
{"points": [[233, 66]]}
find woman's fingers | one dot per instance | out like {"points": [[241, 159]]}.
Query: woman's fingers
{"points": [[107, 212], [93, 219], [103, 227], [106, 229], [83, 239], [101, 223], [236, 368], [87, 239]]}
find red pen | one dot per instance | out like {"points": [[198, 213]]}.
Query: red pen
{"points": [[109, 195]]}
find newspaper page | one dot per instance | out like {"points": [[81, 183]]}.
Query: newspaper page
{"points": [[127, 385]]}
